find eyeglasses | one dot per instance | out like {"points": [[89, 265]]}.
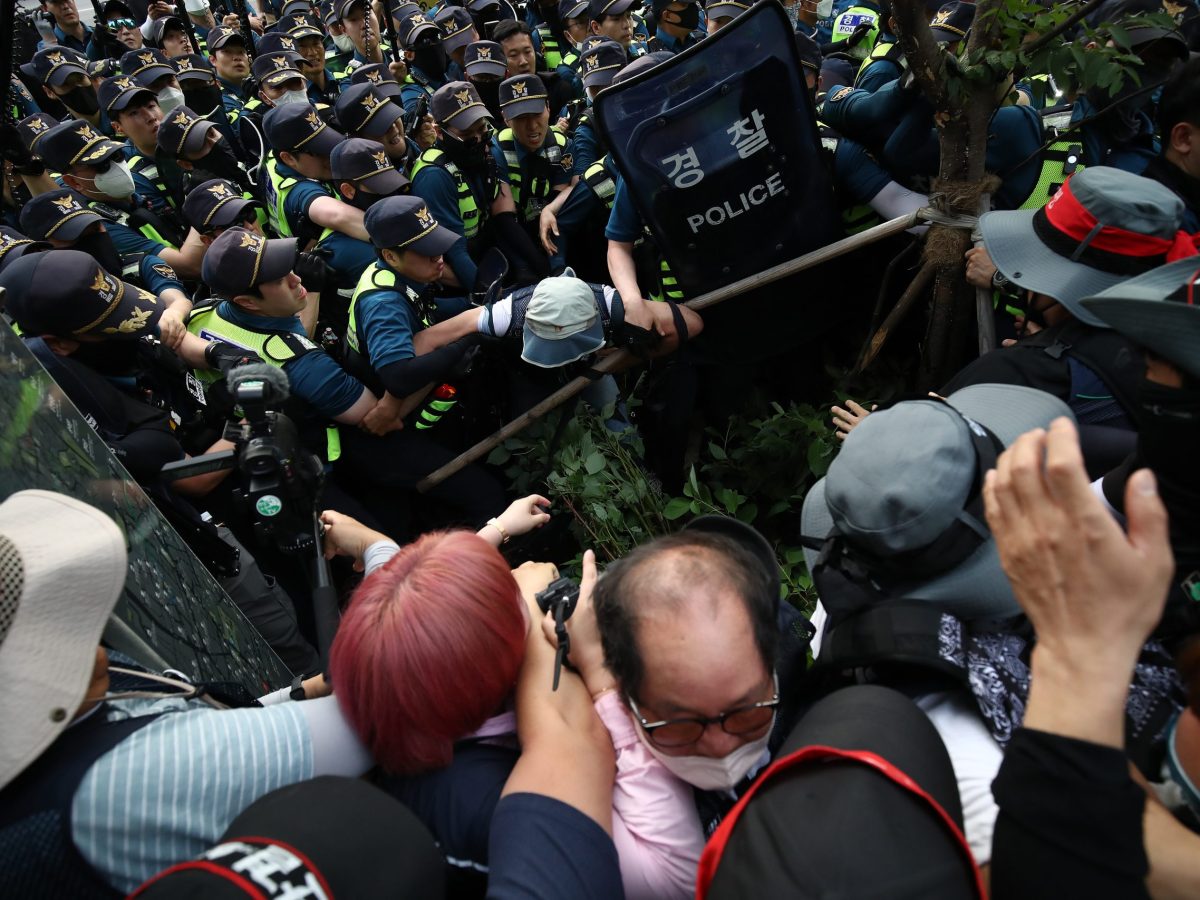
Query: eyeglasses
{"points": [[671, 733], [118, 24]]}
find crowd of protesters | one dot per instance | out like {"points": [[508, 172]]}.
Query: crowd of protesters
{"points": [[405, 224]]}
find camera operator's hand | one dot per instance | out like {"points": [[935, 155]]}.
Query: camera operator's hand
{"points": [[533, 578], [226, 357], [586, 654], [521, 517], [346, 536], [313, 269]]}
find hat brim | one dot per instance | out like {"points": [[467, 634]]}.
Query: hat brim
{"points": [[721, 10], [550, 354], [232, 212], [977, 587], [151, 74], [321, 144], [195, 75], [1021, 257], [574, 11], [194, 142], [135, 315], [389, 90], [531, 106], [279, 258], [378, 124], [486, 67], [279, 76], [618, 8], [947, 35], [387, 182], [417, 31], [64, 71], [465, 118], [73, 226], [437, 243], [300, 32], [601, 77], [100, 152], [220, 42], [123, 99], [458, 40], [16, 251]]}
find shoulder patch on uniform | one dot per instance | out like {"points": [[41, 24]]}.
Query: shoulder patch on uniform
{"points": [[165, 271], [567, 162], [844, 92]]}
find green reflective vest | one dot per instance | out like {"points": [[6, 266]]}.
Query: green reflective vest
{"points": [[597, 178], [468, 210], [551, 52], [529, 203], [845, 25], [886, 51], [276, 192], [1060, 159]]}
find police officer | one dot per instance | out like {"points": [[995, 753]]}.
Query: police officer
{"points": [[169, 35], [310, 44], [152, 70], [677, 25], [613, 19], [198, 147], [361, 25], [719, 13], [338, 47], [136, 116], [64, 78], [213, 206], [426, 59], [485, 68], [14, 245], [458, 30], [279, 82], [363, 174], [856, 29], [227, 50], [95, 167], [363, 112], [532, 158]]}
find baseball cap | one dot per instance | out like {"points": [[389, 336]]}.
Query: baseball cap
{"points": [[412, 27], [598, 9], [61, 214], [405, 223], [343, 835], [299, 25], [146, 66], [458, 28], [240, 260], [572, 9], [659, 5], [182, 133], [365, 163], [344, 6], [294, 7], [194, 67], [33, 128], [642, 64], [719, 9], [298, 127], [75, 142], [562, 323], [861, 802], [379, 77], [14, 245], [220, 36], [54, 65], [365, 112], [457, 104], [216, 204], [485, 58], [912, 477], [1157, 311], [522, 95], [117, 6], [809, 52], [275, 68], [66, 293], [600, 63], [158, 29], [117, 93], [951, 23], [1102, 227], [63, 569], [274, 43]]}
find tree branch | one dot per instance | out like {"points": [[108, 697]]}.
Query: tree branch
{"points": [[925, 58], [1066, 25], [986, 28]]}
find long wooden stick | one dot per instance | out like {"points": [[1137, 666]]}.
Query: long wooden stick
{"points": [[623, 358], [915, 289]]}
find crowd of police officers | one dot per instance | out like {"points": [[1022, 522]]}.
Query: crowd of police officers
{"points": [[343, 190]]}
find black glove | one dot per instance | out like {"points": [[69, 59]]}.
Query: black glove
{"points": [[314, 270], [225, 357]]}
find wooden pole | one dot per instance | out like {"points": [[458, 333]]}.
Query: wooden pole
{"points": [[985, 316], [623, 358]]}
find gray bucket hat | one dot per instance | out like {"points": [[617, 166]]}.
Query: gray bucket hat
{"points": [[1102, 227], [1158, 311], [905, 475]]}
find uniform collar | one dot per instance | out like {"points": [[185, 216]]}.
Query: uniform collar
{"points": [[234, 313]]}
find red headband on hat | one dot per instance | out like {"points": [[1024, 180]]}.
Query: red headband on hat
{"points": [[1071, 218]]}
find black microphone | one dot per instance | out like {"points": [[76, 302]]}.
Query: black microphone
{"points": [[269, 379]]}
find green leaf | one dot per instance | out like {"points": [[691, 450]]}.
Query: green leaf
{"points": [[499, 456], [731, 500], [716, 451], [793, 555], [778, 507], [694, 484], [747, 513], [594, 463], [676, 508], [697, 507]]}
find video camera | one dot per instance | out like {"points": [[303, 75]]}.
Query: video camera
{"points": [[412, 121], [559, 598]]}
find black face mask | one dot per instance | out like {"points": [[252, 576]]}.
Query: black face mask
{"points": [[362, 200], [689, 17], [82, 100], [1169, 440], [100, 247], [203, 101], [489, 93], [430, 59], [220, 163], [470, 155]]}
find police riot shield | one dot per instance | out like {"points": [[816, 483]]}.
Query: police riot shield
{"points": [[720, 150], [171, 612]]}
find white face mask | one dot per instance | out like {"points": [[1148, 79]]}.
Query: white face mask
{"points": [[343, 43], [291, 97], [824, 9], [710, 773], [169, 98], [116, 181]]}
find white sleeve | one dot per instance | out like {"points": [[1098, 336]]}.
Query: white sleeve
{"points": [[501, 317], [895, 200], [378, 554]]}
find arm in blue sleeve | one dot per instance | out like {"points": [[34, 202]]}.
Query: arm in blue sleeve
{"points": [[157, 276], [624, 223], [857, 175], [128, 242], [587, 148], [147, 190], [866, 117], [436, 188], [321, 383]]}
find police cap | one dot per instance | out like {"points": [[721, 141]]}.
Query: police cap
{"points": [[365, 112], [62, 215], [457, 104], [365, 163], [14, 245], [458, 28], [299, 26], [54, 65], [33, 128], [217, 204], [274, 43], [146, 66], [952, 21], [379, 77], [194, 67], [523, 95], [405, 223], [183, 134], [297, 127], [600, 64], [159, 28], [485, 58], [239, 261], [77, 143], [572, 9], [220, 36], [276, 68], [117, 93], [413, 26], [598, 9]]}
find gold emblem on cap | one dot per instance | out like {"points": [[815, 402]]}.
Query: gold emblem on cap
{"points": [[287, 43], [123, 83], [220, 190], [416, 19], [463, 98], [299, 19], [56, 58], [100, 283], [135, 323], [66, 204], [313, 119], [38, 124], [249, 241], [520, 89], [375, 75], [146, 58], [943, 15], [381, 160], [371, 102], [280, 62], [88, 135], [424, 219], [182, 118], [591, 62], [483, 53]]}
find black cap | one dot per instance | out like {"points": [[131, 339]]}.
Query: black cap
{"points": [[220, 36], [117, 93], [344, 6], [810, 52], [295, 7], [400, 9], [457, 104], [119, 6], [194, 67], [62, 215], [67, 294], [182, 134], [76, 143], [275, 68], [722, 9], [159, 27], [14, 245], [412, 27], [952, 22], [864, 761], [298, 127], [485, 58], [458, 28], [300, 25], [572, 9], [363, 111], [363, 844], [54, 65], [523, 95], [598, 9], [240, 260], [405, 223], [328, 12], [379, 77], [216, 204], [599, 64], [33, 128], [146, 66], [275, 42], [365, 163]]}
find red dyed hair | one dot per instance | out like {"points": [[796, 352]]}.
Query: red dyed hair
{"points": [[428, 649]]}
